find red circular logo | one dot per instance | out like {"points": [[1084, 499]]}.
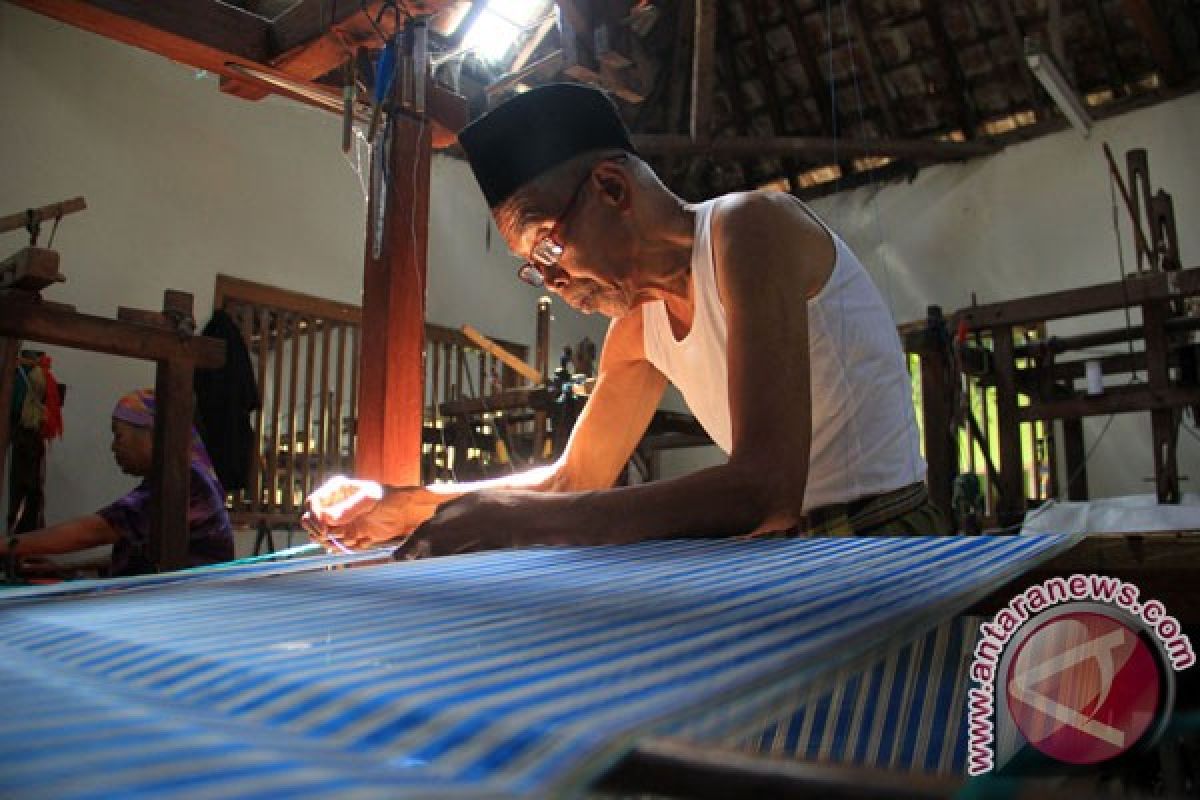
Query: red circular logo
{"points": [[1083, 687]]}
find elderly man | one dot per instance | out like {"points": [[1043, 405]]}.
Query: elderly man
{"points": [[750, 305]]}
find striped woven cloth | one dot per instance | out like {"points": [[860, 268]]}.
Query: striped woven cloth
{"points": [[518, 673]]}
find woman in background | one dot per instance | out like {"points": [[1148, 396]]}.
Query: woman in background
{"points": [[125, 524]]}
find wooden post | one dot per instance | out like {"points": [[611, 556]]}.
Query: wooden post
{"points": [[1010, 508], [941, 450], [1076, 455], [541, 361], [1163, 421], [167, 548], [8, 372], [391, 371]]}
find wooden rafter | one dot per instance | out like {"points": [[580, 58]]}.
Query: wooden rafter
{"points": [[1112, 62], [703, 54], [947, 56], [815, 147], [766, 77], [1150, 26], [733, 88], [862, 37], [1016, 43], [818, 86]]}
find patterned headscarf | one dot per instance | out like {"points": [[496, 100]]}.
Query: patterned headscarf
{"points": [[138, 408]]}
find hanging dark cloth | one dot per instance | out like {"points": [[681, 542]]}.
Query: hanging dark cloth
{"points": [[225, 398]]}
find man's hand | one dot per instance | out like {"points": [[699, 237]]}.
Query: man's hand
{"points": [[498, 519], [347, 514]]}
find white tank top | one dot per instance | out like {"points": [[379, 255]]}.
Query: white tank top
{"points": [[864, 434]]}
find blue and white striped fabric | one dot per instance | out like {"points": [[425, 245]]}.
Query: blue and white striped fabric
{"points": [[518, 673]]}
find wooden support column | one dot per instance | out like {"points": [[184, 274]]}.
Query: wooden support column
{"points": [[1164, 422], [1076, 456], [703, 72], [393, 323], [1010, 507], [941, 451], [167, 547], [9, 348]]}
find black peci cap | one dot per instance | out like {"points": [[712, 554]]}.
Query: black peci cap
{"points": [[524, 137]]}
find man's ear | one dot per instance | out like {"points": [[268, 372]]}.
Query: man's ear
{"points": [[613, 184]]}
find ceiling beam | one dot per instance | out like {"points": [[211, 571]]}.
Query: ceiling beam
{"points": [[766, 76], [703, 55], [819, 87], [874, 72], [733, 87], [1016, 42], [814, 147], [200, 33], [1150, 26], [948, 56]]}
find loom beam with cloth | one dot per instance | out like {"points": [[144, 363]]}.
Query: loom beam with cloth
{"points": [[538, 672]]}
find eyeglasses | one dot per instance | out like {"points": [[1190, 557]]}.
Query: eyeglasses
{"points": [[548, 250]]}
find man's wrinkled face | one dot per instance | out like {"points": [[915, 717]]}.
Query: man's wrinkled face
{"points": [[586, 269], [132, 448]]}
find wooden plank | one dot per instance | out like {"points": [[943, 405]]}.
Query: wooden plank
{"points": [[1115, 400], [862, 36], [1016, 44], [52, 211], [53, 325], [274, 440], [1134, 290], [310, 343], [487, 345], [324, 413], [941, 438], [202, 34], [947, 55], [31, 269], [10, 348], [1163, 424], [390, 407], [1011, 505], [814, 147], [672, 768], [1076, 458], [333, 461], [261, 442], [700, 124], [355, 358], [167, 547], [260, 294], [293, 341]]}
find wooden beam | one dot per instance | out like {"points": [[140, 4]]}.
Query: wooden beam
{"points": [[1011, 504], [40, 322], [948, 56], [170, 475], [1016, 43], [813, 147], [190, 31], [751, 9], [700, 124], [390, 403], [1076, 459], [1115, 400], [819, 88], [1156, 37], [733, 87], [672, 768], [874, 71], [37, 216], [1134, 290]]}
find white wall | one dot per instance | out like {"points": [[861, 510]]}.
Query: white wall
{"points": [[1035, 218], [183, 182]]}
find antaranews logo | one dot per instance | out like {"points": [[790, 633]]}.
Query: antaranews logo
{"points": [[1078, 668]]}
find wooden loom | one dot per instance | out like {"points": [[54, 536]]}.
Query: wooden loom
{"points": [[164, 338]]}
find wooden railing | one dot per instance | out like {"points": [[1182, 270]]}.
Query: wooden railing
{"points": [[305, 353]]}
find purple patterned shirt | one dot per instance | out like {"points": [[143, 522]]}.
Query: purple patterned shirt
{"points": [[210, 535]]}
